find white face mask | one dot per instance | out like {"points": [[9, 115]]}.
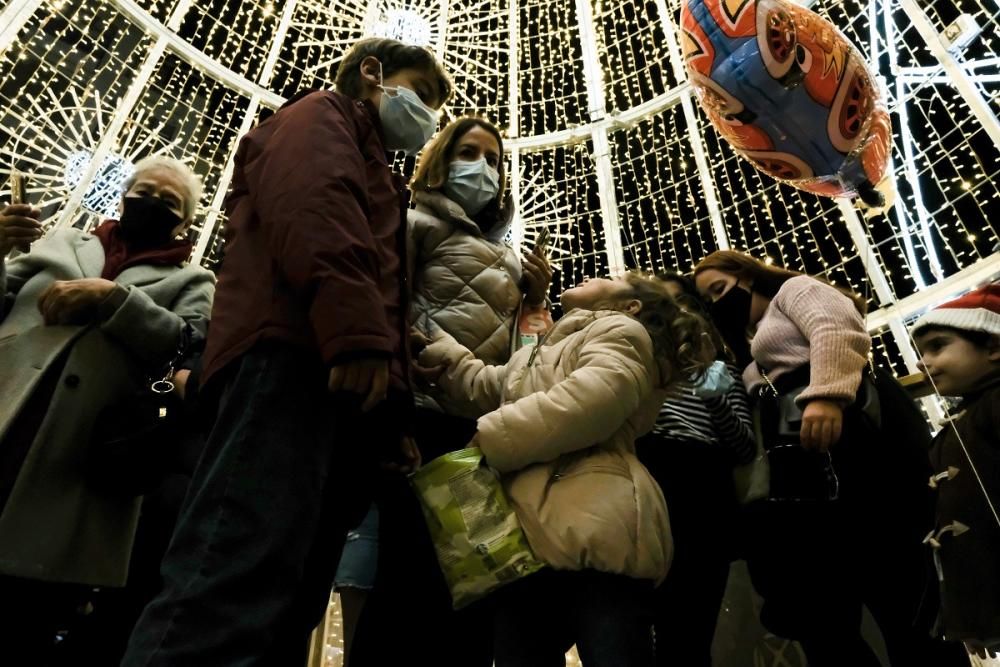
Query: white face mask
{"points": [[472, 185], [407, 122]]}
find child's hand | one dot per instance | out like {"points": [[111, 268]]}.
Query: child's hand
{"points": [[181, 380], [429, 374], [433, 363], [418, 341], [368, 377]]}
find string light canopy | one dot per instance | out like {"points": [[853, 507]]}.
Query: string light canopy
{"points": [[609, 149]]}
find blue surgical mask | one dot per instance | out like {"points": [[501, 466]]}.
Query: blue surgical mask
{"points": [[472, 185], [716, 381], [407, 122]]}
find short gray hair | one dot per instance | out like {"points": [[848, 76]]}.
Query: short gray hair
{"points": [[191, 180]]}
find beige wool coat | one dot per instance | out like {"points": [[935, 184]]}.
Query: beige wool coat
{"points": [[560, 426]]}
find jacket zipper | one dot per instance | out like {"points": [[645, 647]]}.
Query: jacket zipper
{"points": [[534, 350]]}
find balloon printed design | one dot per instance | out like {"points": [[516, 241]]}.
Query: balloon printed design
{"points": [[790, 93]]}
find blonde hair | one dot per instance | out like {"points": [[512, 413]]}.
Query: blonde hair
{"points": [[435, 160], [190, 180]]}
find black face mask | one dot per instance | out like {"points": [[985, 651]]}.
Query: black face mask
{"points": [[731, 315], [147, 222]]}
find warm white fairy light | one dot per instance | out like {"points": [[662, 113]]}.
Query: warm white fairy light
{"points": [[77, 60], [653, 166], [406, 26], [661, 206]]}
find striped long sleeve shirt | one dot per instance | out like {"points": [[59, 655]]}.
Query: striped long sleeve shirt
{"points": [[722, 421]]}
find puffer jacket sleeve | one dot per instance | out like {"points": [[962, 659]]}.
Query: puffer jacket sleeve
{"points": [[612, 377], [417, 229], [466, 378]]}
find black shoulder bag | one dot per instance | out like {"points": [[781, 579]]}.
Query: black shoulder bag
{"points": [[134, 440], [798, 474]]}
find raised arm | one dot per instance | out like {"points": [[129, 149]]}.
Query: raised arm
{"points": [[612, 377]]}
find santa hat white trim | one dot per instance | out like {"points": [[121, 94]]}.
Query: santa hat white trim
{"points": [[967, 319]]}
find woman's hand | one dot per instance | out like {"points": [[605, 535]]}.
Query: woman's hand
{"points": [[822, 422], [73, 301], [537, 277], [19, 227], [180, 381], [409, 457]]}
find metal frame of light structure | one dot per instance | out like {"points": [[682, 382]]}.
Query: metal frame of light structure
{"points": [[966, 77]]}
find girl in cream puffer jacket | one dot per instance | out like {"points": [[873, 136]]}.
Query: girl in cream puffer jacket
{"points": [[561, 429]]}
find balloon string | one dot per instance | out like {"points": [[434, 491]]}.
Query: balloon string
{"points": [[951, 421]]}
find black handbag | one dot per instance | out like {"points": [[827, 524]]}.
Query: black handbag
{"points": [[798, 474], [134, 441]]}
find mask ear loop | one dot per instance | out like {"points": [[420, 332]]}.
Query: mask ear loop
{"points": [[381, 83]]}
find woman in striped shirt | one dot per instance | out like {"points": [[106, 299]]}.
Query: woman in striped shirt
{"points": [[702, 432]]}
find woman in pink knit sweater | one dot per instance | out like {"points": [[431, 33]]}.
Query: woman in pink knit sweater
{"points": [[847, 450]]}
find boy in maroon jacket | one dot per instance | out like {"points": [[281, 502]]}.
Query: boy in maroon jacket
{"points": [[307, 347]]}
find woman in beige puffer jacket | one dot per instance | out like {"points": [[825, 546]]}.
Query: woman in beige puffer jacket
{"points": [[468, 282], [562, 422], [467, 279]]}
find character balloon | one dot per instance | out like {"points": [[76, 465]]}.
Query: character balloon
{"points": [[790, 93]]}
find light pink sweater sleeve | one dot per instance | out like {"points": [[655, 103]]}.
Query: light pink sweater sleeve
{"points": [[838, 341]]}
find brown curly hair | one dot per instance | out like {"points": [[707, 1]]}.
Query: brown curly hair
{"points": [[682, 342]]}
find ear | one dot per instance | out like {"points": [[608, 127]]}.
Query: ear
{"points": [[993, 348], [371, 71], [632, 306]]}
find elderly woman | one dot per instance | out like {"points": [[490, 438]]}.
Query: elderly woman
{"points": [[86, 317]]}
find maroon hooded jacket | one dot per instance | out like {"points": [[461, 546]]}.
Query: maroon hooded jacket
{"points": [[315, 240]]}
